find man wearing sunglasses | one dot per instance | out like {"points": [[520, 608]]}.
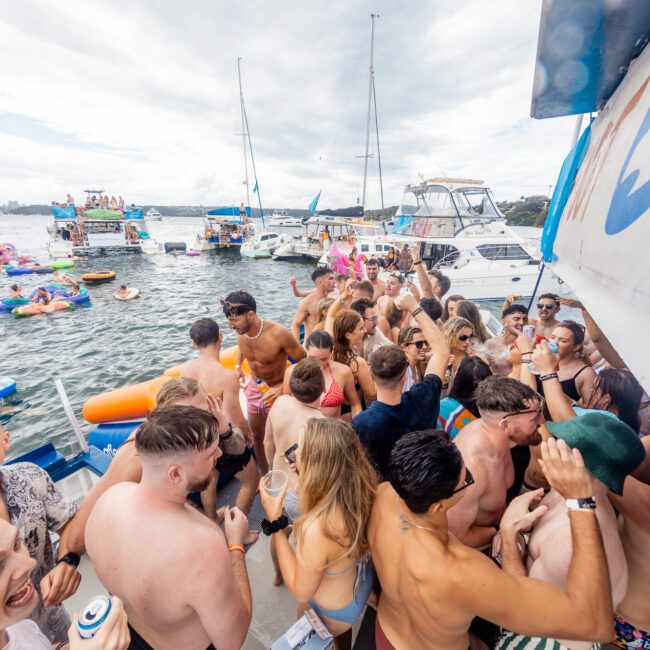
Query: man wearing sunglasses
{"points": [[433, 586], [266, 346], [511, 414], [548, 305]]}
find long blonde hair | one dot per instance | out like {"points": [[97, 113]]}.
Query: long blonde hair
{"points": [[453, 327], [336, 478]]}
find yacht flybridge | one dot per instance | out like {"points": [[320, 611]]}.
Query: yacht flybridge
{"points": [[458, 228]]}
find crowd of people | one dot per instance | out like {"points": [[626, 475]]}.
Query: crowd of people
{"points": [[454, 487]]}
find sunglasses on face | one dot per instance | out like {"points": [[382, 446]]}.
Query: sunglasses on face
{"points": [[233, 309], [541, 305], [419, 344], [464, 337], [537, 411], [469, 480]]}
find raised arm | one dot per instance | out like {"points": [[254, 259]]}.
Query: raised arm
{"points": [[297, 292], [423, 277], [338, 304], [582, 611], [432, 333], [546, 362]]}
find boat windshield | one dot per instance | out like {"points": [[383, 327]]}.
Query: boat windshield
{"points": [[476, 202]]}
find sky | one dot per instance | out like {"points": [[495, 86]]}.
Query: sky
{"points": [[141, 98]]}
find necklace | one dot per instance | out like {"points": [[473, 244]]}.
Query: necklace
{"points": [[404, 523], [252, 338]]}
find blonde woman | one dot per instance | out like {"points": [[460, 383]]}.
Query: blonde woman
{"points": [[458, 332], [330, 570]]}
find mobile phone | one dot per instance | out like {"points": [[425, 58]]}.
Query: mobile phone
{"points": [[290, 454]]}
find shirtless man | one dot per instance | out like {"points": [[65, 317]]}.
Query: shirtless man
{"points": [[611, 451], [513, 318], [286, 418], [372, 273], [633, 614], [433, 586], [183, 584], [548, 306], [511, 414], [266, 346], [16, 291], [307, 311], [223, 384], [126, 465], [394, 285]]}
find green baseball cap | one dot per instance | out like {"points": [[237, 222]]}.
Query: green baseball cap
{"points": [[611, 450]]}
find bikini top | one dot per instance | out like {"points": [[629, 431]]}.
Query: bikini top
{"points": [[334, 395]]}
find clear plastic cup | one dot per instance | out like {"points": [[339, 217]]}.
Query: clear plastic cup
{"points": [[274, 481]]}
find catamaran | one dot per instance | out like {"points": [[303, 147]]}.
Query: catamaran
{"points": [[77, 230]]}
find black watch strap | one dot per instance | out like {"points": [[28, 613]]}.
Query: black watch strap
{"points": [[227, 434], [70, 558]]}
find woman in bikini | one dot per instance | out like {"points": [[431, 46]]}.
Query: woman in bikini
{"points": [[347, 333], [330, 570], [339, 380], [415, 346]]}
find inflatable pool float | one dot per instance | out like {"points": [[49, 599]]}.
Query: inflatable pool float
{"points": [[34, 309], [62, 264], [132, 292], [24, 270], [8, 304], [43, 269], [137, 400], [193, 253], [7, 386], [98, 277], [59, 290]]}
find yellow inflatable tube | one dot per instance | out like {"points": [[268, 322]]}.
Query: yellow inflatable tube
{"points": [[137, 400]]}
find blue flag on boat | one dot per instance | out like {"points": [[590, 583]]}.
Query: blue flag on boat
{"points": [[314, 203], [255, 188]]}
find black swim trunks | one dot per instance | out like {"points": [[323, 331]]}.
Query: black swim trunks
{"points": [[138, 643], [232, 464]]}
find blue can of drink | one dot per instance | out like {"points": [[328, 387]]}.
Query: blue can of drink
{"points": [[93, 616]]}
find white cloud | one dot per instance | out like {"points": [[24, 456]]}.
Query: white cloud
{"points": [[142, 98]]}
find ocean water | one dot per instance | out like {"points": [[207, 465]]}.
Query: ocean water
{"points": [[112, 343]]}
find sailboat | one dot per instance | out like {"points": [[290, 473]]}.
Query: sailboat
{"points": [[316, 241], [598, 228]]}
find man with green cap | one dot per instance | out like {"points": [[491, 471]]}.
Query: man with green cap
{"points": [[611, 451]]}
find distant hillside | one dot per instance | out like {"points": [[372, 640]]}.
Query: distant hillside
{"points": [[528, 211]]}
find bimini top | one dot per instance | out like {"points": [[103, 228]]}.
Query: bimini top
{"points": [[229, 211], [96, 214], [584, 50]]}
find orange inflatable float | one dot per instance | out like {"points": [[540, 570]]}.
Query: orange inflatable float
{"points": [[137, 400]]}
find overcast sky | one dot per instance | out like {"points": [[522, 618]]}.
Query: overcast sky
{"points": [[141, 99]]}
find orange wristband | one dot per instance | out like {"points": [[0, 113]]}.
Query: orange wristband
{"points": [[237, 547]]}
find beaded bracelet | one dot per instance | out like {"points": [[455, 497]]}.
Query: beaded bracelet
{"points": [[552, 375]]}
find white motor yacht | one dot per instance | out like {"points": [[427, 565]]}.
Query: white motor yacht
{"points": [[263, 244], [280, 219], [458, 229], [152, 215]]}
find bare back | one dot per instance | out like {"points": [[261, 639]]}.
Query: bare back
{"points": [[285, 420], [420, 579], [129, 538], [550, 549]]}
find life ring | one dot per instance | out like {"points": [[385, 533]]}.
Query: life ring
{"points": [[7, 386], [132, 292], [8, 248]]}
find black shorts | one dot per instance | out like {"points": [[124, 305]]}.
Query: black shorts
{"points": [[232, 464], [138, 643]]}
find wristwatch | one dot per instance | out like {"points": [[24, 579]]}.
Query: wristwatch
{"points": [[227, 433], [588, 503], [70, 558]]}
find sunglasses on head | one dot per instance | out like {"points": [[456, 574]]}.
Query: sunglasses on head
{"points": [[233, 308], [419, 344], [541, 305], [469, 480], [464, 337]]}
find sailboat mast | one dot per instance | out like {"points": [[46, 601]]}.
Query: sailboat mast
{"points": [[370, 87], [243, 134]]}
